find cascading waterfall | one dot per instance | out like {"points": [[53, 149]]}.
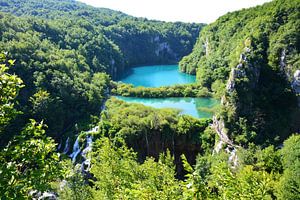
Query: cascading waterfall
{"points": [[85, 166], [76, 150], [36, 195], [218, 146], [67, 147], [93, 130], [59, 146], [233, 159]]}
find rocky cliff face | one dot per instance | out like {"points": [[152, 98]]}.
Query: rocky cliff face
{"points": [[241, 71], [296, 81], [157, 143], [296, 84], [293, 78]]}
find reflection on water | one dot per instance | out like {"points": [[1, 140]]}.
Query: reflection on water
{"points": [[166, 75], [187, 105]]}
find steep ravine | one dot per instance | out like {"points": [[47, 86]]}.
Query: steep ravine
{"points": [[218, 121]]}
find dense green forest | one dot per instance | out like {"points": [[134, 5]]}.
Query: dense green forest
{"points": [[140, 41], [58, 63], [119, 173], [251, 56], [180, 90], [63, 48]]}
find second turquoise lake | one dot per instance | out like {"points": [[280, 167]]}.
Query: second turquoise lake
{"points": [[186, 105], [167, 75]]}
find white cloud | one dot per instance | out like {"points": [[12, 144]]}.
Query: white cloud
{"points": [[176, 10]]}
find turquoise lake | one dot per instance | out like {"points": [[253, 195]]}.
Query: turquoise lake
{"points": [[157, 75], [166, 75], [187, 105]]}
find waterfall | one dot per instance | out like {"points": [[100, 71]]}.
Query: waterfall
{"points": [[283, 60], [59, 146], [37, 195], [95, 129], [76, 147], [218, 146], [89, 141], [76, 150], [86, 164], [233, 158], [67, 147], [48, 195], [62, 184]]}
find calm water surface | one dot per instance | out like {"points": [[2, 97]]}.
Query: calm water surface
{"points": [[157, 75], [187, 105], [166, 75]]}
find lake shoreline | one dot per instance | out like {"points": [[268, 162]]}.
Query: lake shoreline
{"points": [[164, 86], [178, 90]]}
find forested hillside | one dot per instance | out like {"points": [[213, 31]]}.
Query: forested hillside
{"points": [[141, 41], [252, 57], [63, 48], [57, 62]]}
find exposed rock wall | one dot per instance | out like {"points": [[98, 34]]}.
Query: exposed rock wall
{"points": [[247, 70], [296, 84], [293, 78], [155, 143]]}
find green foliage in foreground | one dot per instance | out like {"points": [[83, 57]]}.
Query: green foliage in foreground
{"points": [[9, 89], [259, 175], [289, 187], [119, 175], [185, 90], [29, 161]]}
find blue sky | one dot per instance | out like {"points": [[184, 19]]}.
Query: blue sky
{"points": [[205, 11]]}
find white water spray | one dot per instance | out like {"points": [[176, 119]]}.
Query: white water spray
{"points": [[76, 150], [59, 146], [67, 147], [85, 166]]}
